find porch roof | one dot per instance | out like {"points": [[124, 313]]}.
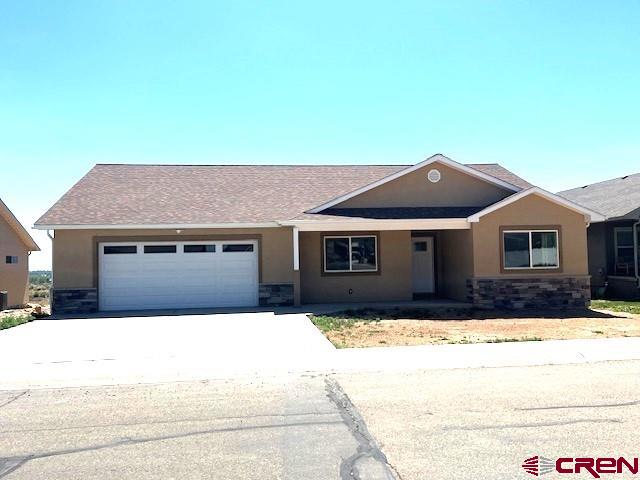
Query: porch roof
{"points": [[391, 213]]}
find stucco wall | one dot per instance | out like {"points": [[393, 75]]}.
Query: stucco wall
{"points": [[531, 211], [393, 283], [456, 263], [14, 278], [75, 253], [455, 189]]}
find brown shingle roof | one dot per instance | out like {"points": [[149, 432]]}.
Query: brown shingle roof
{"points": [[211, 194], [17, 227], [498, 171]]}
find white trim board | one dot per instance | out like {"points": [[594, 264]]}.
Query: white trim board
{"points": [[590, 214], [439, 158]]}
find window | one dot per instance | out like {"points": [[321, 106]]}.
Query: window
{"points": [[350, 254], [623, 239], [11, 259], [199, 248], [238, 247], [420, 246], [531, 249], [159, 249], [120, 249]]}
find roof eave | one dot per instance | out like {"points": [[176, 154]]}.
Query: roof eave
{"points": [[591, 215], [153, 226]]}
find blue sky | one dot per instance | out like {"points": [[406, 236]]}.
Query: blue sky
{"points": [[548, 89]]}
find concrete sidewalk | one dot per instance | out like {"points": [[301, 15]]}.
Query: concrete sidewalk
{"points": [[479, 355], [190, 366]]}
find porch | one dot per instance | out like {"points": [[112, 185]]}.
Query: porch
{"points": [[358, 265], [614, 258]]}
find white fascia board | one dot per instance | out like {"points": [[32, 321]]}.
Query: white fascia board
{"points": [[591, 215], [364, 225], [439, 158], [162, 226]]}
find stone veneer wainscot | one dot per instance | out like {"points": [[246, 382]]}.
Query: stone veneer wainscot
{"points": [[537, 292], [74, 300]]}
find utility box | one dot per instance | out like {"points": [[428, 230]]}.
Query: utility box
{"points": [[4, 300]]}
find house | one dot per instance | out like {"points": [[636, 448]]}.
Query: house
{"points": [[15, 246], [181, 236], [614, 245]]}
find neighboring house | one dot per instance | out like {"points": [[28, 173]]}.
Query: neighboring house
{"points": [[180, 236], [15, 246], [614, 250]]}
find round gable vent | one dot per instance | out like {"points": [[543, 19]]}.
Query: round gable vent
{"points": [[434, 176]]}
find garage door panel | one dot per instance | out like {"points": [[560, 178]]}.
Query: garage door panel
{"points": [[178, 280]]}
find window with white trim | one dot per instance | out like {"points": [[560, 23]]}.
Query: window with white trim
{"points": [[623, 251], [530, 249], [350, 253]]}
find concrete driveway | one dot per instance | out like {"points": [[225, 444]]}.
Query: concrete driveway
{"points": [[157, 349]]}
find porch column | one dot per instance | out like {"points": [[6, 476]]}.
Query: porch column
{"points": [[296, 267], [296, 250]]}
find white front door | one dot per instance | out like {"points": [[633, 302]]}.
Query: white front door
{"points": [[423, 265], [193, 274]]}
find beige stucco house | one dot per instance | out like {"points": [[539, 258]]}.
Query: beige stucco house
{"points": [[15, 246], [179, 236]]}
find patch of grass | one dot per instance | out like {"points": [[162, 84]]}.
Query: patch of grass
{"points": [[597, 332], [376, 315], [513, 339], [466, 341], [326, 323], [617, 306], [14, 320]]}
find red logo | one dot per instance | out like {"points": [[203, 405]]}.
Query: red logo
{"points": [[538, 465]]}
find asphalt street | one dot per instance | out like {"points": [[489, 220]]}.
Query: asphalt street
{"points": [[436, 424], [286, 428], [483, 423]]}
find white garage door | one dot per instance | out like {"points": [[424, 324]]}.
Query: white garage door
{"points": [[194, 274]]}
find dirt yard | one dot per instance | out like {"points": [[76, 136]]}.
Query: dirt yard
{"points": [[353, 332]]}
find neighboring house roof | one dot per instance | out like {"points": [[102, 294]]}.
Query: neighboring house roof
{"points": [[17, 227], [613, 198], [593, 215], [212, 195]]}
